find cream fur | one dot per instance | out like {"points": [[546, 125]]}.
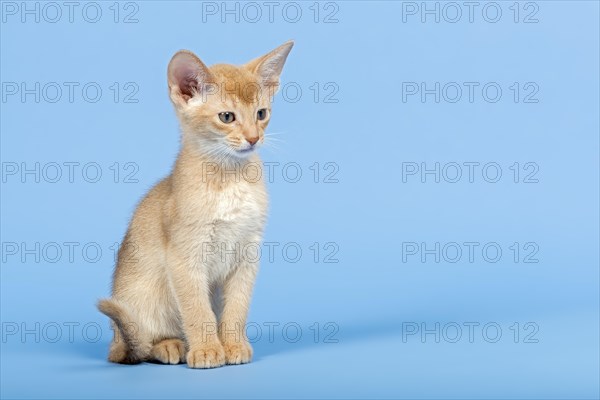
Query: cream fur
{"points": [[174, 300]]}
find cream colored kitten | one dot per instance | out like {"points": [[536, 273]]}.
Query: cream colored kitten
{"points": [[167, 284]]}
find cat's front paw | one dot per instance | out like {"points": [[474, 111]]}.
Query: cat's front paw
{"points": [[238, 352], [207, 355]]}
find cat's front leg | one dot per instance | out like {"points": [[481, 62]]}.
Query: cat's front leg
{"points": [[237, 291], [190, 281]]}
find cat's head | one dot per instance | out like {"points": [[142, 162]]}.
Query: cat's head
{"points": [[224, 110]]}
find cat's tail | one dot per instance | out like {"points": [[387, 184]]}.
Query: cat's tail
{"points": [[134, 348]]}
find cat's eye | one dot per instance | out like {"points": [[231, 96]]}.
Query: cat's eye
{"points": [[227, 117], [261, 114]]}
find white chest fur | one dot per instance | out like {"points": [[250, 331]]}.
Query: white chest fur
{"points": [[235, 203], [236, 222]]}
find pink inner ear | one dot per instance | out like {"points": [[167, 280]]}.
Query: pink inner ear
{"points": [[187, 72], [188, 85], [186, 78]]}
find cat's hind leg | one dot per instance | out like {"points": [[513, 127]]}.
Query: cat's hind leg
{"points": [[169, 351]]}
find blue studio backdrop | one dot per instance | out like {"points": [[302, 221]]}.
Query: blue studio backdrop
{"points": [[433, 177]]}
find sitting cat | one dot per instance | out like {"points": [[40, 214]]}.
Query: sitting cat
{"points": [[173, 300]]}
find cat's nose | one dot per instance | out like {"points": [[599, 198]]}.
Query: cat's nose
{"points": [[252, 140]]}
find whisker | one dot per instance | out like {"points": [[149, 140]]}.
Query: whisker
{"points": [[273, 140], [274, 133]]}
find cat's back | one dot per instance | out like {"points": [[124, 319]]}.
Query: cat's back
{"points": [[142, 249], [148, 223]]}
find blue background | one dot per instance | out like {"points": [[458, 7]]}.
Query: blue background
{"points": [[371, 294]]}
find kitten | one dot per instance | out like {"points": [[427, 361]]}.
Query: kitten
{"points": [[178, 295]]}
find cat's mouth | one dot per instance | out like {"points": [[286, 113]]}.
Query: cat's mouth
{"points": [[247, 150]]}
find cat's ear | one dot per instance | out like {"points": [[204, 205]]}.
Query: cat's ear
{"points": [[269, 66], [187, 76]]}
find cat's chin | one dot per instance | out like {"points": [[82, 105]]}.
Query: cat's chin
{"points": [[244, 152], [235, 156], [241, 154]]}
